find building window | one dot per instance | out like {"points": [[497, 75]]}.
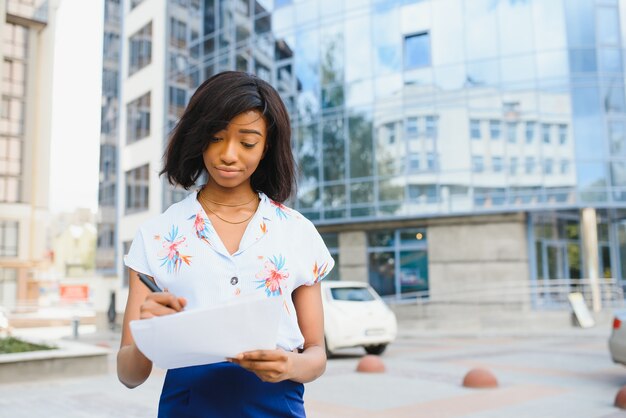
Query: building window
{"points": [[495, 129], [111, 47], [417, 50], [478, 164], [134, 3], [178, 101], [562, 134], [398, 262], [474, 129], [390, 129], [138, 119], [564, 166], [431, 161], [414, 163], [496, 164], [547, 166], [545, 132], [431, 126], [530, 165], [511, 131], [140, 50], [10, 168], [513, 166], [8, 238], [411, 126], [530, 132], [178, 33], [137, 189]]}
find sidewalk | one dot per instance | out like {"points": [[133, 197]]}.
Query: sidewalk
{"points": [[567, 374]]}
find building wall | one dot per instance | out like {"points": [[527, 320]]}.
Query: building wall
{"points": [[30, 209], [470, 256]]}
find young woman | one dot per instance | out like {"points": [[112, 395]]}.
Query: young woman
{"points": [[232, 238]]}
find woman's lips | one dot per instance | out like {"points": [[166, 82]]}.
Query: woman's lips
{"points": [[227, 171]]}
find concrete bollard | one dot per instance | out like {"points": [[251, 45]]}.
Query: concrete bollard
{"points": [[370, 364], [620, 398], [480, 379]]}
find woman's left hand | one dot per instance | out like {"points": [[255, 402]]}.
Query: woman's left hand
{"points": [[269, 365]]}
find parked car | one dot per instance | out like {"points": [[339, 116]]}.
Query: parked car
{"points": [[617, 340], [355, 315]]}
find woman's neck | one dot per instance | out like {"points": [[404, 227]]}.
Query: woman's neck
{"points": [[228, 196]]}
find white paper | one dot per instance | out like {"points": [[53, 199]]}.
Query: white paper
{"points": [[209, 335]]}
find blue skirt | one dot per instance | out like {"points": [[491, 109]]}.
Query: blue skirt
{"points": [[227, 390]]}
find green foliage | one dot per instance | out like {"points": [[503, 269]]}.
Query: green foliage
{"points": [[13, 345]]}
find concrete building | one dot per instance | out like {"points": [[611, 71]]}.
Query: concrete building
{"points": [[27, 28], [448, 149]]}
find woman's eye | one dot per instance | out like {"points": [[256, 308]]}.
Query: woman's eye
{"points": [[214, 139], [247, 145]]}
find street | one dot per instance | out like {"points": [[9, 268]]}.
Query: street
{"points": [[553, 374]]}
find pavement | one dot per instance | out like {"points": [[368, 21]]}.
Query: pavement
{"points": [[552, 373]]}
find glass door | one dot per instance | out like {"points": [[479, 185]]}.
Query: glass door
{"points": [[555, 271]]}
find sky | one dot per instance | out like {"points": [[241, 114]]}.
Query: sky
{"points": [[76, 87]]}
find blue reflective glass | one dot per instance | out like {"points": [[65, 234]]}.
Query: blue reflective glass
{"points": [[515, 19], [549, 25], [610, 60], [581, 25], [583, 60], [608, 26], [417, 50]]}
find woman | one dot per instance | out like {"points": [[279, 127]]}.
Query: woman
{"points": [[233, 237]]}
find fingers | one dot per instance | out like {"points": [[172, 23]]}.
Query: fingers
{"points": [[161, 303], [268, 365], [166, 299], [262, 355]]}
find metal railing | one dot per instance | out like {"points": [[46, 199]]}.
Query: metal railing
{"points": [[540, 295]]}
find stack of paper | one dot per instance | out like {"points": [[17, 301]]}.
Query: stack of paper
{"points": [[209, 335]]}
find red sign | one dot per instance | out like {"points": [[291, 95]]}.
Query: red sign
{"points": [[74, 292]]}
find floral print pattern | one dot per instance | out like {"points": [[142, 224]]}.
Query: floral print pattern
{"points": [[272, 275], [319, 272], [170, 255], [201, 227], [281, 210]]}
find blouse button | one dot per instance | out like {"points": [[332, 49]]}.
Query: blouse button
{"points": [[234, 280]]}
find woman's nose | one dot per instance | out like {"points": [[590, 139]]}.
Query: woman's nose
{"points": [[229, 152]]}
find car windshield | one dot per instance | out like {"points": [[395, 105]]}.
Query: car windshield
{"points": [[355, 294]]}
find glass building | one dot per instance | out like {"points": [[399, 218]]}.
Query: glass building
{"points": [[442, 144]]}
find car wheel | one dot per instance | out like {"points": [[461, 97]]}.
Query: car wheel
{"points": [[375, 349]]}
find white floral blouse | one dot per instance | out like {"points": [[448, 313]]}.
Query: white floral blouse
{"points": [[280, 250]]}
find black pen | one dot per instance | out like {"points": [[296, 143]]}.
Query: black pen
{"points": [[149, 283]]}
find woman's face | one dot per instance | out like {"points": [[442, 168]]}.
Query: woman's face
{"points": [[234, 153]]}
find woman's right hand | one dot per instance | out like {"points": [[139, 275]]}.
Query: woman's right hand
{"points": [[161, 303]]}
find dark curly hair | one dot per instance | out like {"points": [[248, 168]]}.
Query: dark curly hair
{"points": [[217, 101]]}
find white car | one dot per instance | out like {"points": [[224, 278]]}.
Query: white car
{"points": [[355, 315], [617, 340]]}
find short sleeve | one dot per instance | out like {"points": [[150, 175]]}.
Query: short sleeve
{"points": [[317, 259], [136, 258]]}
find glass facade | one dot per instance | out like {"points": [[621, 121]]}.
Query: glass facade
{"points": [[109, 136], [411, 109]]}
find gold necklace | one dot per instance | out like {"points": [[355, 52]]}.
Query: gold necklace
{"points": [[230, 222], [225, 220], [227, 204]]}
